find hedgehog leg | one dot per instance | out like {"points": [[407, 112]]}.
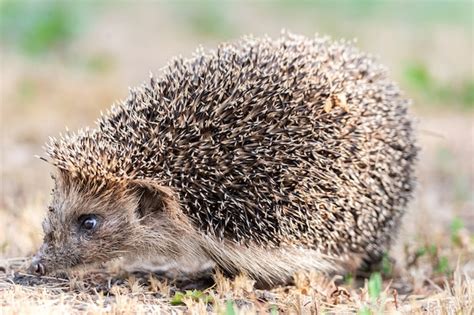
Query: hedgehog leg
{"points": [[369, 265]]}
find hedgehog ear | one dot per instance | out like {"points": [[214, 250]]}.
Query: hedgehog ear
{"points": [[149, 203], [154, 198]]}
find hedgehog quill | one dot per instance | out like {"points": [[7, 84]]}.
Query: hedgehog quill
{"points": [[264, 156]]}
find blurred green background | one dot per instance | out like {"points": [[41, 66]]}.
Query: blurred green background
{"points": [[428, 44], [62, 62]]}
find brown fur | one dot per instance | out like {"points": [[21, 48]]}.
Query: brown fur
{"points": [[143, 221]]}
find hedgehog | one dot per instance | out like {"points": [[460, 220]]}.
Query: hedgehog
{"points": [[264, 157]]}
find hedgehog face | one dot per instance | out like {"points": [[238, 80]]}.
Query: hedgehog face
{"points": [[85, 224]]}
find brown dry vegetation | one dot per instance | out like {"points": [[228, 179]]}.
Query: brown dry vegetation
{"points": [[431, 266]]}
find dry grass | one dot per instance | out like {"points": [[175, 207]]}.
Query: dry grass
{"points": [[100, 292], [430, 273]]}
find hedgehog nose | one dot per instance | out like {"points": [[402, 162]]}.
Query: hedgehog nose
{"points": [[37, 267]]}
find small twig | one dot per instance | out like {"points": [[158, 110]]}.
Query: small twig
{"points": [[395, 298]]}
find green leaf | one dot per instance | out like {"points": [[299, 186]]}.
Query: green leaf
{"points": [[194, 295], [230, 308], [177, 299], [364, 311], [375, 286], [443, 265], [387, 267]]}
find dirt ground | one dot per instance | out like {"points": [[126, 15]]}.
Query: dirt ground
{"points": [[430, 269]]}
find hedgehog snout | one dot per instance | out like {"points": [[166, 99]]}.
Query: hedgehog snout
{"points": [[37, 266], [40, 263]]}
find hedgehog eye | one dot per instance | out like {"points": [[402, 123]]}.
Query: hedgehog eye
{"points": [[88, 222]]}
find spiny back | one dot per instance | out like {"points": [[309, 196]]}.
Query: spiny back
{"points": [[245, 137]]}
